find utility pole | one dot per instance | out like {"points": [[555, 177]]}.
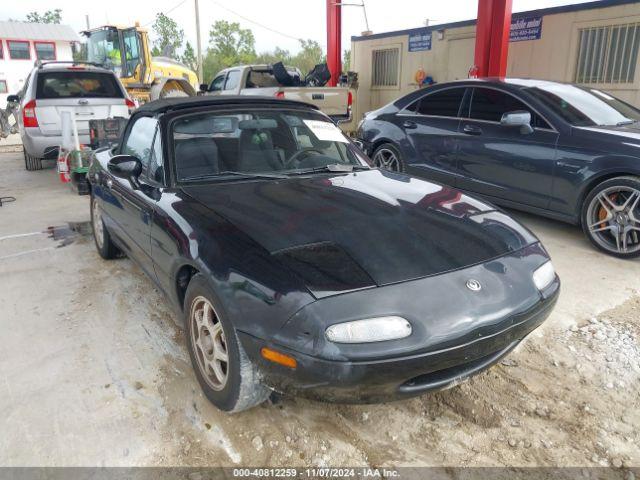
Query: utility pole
{"points": [[198, 44], [86, 17]]}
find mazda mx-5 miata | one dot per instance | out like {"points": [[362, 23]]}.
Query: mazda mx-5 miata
{"points": [[299, 268]]}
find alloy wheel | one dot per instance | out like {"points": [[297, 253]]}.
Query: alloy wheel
{"points": [[98, 226], [614, 219], [386, 159], [208, 340]]}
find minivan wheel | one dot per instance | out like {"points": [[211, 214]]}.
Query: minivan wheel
{"points": [[388, 157], [104, 244], [32, 163], [611, 217], [226, 375]]}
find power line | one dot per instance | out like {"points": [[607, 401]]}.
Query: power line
{"points": [[166, 12], [261, 25]]}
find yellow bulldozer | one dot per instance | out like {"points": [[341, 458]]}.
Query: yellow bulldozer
{"points": [[125, 50]]}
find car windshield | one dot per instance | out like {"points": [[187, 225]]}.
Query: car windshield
{"points": [[585, 107], [269, 144]]}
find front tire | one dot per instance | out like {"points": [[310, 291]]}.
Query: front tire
{"points": [[611, 217], [226, 375], [104, 244], [32, 163], [388, 157]]}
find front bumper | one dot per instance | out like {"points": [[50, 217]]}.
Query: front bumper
{"points": [[388, 379]]}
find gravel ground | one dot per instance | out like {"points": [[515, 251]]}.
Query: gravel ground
{"points": [[94, 370]]}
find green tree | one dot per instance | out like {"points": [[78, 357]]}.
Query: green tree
{"points": [[50, 16], [229, 45], [278, 55], [346, 61], [189, 57], [169, 37], [309, 56]]}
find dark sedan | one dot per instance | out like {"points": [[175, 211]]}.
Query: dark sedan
{"points": [[299, 268], [563, 151]]}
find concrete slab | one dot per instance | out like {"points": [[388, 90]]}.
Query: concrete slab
{"points": [[94, 372]]}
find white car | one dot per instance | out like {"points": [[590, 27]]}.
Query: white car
{"points": [[92, 92]]}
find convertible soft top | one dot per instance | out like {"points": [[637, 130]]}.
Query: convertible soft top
{"points": [[177, 103]]}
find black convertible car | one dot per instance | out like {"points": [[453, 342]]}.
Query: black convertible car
{"points": [[297, 267], [564, 151]]}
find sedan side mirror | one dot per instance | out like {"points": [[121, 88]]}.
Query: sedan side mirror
{"points": [[13, 99], [126, 167], [518, 118]]}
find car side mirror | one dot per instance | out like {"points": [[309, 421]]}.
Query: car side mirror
{"points": [[126, 167], [518, 118], [13, 99], [204, 88]]}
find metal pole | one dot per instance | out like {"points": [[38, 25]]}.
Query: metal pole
{"points": [[86, 17], [334, 37], [198, 44]]}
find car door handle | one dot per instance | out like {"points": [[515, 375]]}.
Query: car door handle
{"points": [[408, 124], [472, 130]]}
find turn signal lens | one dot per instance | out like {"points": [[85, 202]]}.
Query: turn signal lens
{"points": [[369, 330], [29, 118], [544, 275], [277, 357]]}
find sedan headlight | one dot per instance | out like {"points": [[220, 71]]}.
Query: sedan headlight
{"points": [[369, 330], [544, 275]]}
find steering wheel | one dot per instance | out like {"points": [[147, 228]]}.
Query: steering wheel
{"points": [[300, 153]]}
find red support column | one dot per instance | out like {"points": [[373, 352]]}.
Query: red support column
{"points": [[500, 38], [492, 37], [334, 40]]}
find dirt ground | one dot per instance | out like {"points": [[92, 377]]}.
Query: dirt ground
{"points": [[94, 370]]}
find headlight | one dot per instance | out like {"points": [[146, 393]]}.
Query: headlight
{"points": [[544, 275], [369, 330]]}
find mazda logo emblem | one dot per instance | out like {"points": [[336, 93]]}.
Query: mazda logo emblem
{"points": [[473, 285]]}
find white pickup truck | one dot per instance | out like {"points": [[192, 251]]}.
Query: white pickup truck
{"points": [[260, 80]]}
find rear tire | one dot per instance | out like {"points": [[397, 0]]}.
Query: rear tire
{"points": [[611, 217], [32, 163], [173, 93], [226, 375], [104, 244], [388, 157]]}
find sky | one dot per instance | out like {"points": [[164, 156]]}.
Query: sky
{"points": [[274, 23]]}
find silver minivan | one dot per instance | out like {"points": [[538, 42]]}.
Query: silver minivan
{"points": [[91, 92]]}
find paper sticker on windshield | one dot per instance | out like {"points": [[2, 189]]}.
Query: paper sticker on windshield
{"points": [[326, 131]]}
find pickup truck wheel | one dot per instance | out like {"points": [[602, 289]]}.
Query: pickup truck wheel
{"points": [[32, 163], [226, 375], [388, 157], [611, 217], [104, 245]]}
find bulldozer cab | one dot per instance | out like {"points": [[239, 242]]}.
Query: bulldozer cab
{"points": [[120, 50]]}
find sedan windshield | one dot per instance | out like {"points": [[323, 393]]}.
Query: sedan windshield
{"points": [[264, 144], [585, 107]]}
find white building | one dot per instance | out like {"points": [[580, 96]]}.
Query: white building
{"points": [[22, 44]]}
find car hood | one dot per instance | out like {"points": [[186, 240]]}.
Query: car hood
{"points": [[362, 229], [628, 132]]}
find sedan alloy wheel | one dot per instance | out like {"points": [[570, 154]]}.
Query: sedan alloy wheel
{"points": [[387, 159], [613, 220]]}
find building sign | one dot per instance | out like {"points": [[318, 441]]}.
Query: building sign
{"points": [[420, 41], [529, 28]]}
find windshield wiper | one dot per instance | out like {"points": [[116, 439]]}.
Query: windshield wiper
{"points": [[336, 167], [229, 173]]}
